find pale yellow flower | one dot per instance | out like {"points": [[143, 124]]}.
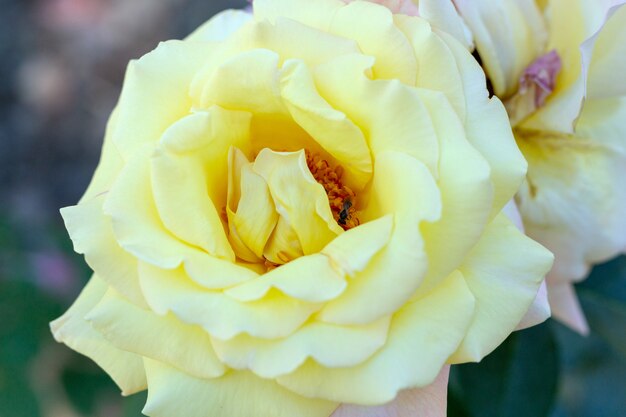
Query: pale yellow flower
{"points": [[548, 60], [298, 210], [442, 15]]}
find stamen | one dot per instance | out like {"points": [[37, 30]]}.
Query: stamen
{"points": [[340, 197], [269, 265]]}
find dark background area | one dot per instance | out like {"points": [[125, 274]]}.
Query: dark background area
{"points": [[62, 64]]}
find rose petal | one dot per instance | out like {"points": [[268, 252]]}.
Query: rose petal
{"points": [[443, 315], [71, 328], [163, 338], [430, 401], [236, 394], [565, 307], [329, 345], [504, 290]]}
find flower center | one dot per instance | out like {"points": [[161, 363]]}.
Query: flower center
{"points": [[340, 197], [275, 209], [536, 84]]}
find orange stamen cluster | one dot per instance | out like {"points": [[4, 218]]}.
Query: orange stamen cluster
{"points": [[340, 197]]}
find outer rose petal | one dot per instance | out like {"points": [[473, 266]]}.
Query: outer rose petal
{"points": [[430, 48], [505, 290], [488, 130], [607, 72], [71, 328], [92, 235], [444, 16], [444, 315], [539, 311], [110, 165], [221, 26], [236, 394], [161, 103], [430, 401], [162, 338], [370, 25], [396, 6], [565, 307]]}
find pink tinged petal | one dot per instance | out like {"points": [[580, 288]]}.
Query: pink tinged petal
{"points": [[430, 401], [508, 35], [540, 77], [512, 212], [536, 84], [566, 308], [576, 42], [406, 7], [539, 310]]}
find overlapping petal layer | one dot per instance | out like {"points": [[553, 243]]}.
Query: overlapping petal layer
{"points": [[308, 219]]}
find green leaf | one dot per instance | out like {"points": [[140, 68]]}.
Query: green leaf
{"points": [[134, 404], [603, 299], [519, 379]]}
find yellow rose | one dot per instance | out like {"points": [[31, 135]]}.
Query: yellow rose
{"points": [[441, 15], [545, 59], [299, 209]]}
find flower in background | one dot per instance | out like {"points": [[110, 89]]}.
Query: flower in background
{"points": [[300, 209], [559, 67]]}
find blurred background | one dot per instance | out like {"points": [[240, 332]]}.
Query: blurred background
{"points": [[61, 69]]}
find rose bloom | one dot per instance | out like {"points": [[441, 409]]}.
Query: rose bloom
{"points": [[300, 209], [559, 66], [440, 14]]}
